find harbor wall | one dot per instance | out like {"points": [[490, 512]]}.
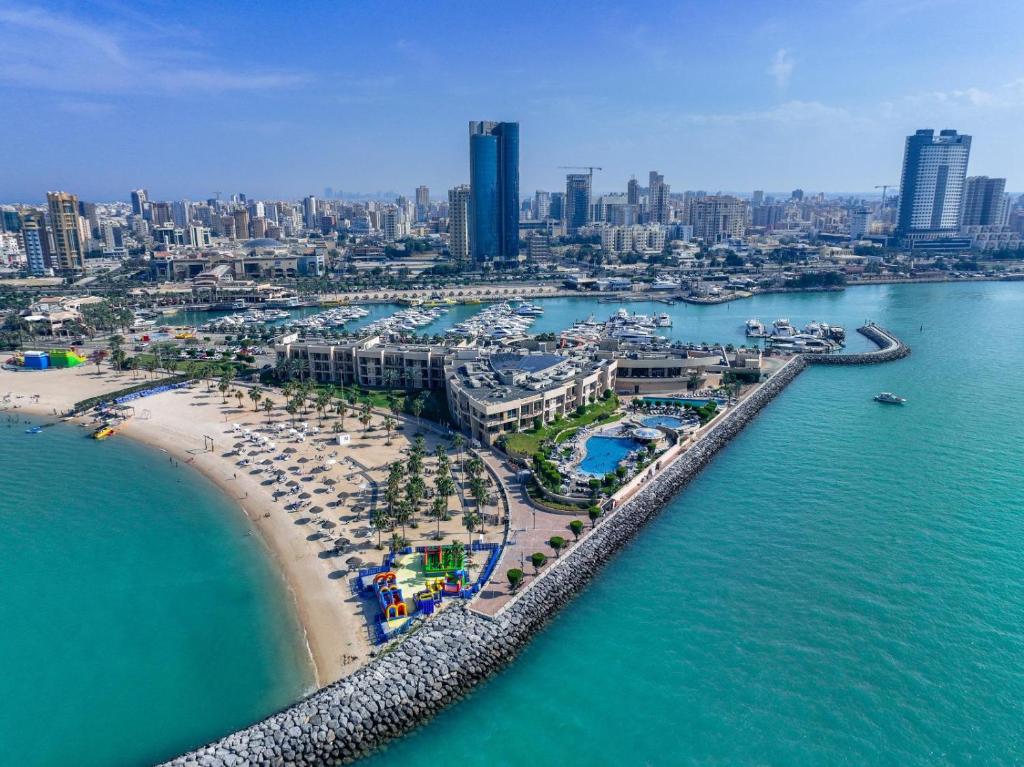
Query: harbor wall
{"points": [[444, 658]]}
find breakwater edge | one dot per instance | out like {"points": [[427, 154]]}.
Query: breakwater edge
{"points": [[450, 654]]}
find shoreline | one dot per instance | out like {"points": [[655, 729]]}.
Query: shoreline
{"points": [[293, 585], [334, 638]]}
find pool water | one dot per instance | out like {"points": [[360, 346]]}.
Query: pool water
{"points": [[669, 421], [682, 401], [603, 454]]}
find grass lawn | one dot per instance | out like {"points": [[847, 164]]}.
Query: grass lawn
{"points": [[529, 442]]}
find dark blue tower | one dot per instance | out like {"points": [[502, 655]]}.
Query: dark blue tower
{"points": [[494, 190]]}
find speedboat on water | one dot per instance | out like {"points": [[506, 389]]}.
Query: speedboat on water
{"points": [[888, 398]]}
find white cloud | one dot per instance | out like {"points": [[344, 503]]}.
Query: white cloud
{"points": [[781, 67], [45, 50]]}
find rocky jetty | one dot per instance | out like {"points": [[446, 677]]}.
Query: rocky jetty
{"points": [[452, 652]]}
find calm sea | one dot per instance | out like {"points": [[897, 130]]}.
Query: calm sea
{"points": [[842, 586], [137, 617]]}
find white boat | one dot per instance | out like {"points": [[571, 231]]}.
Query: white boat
{"points": [[755, 328], [663, 283], [888, 398], [663, 321]]}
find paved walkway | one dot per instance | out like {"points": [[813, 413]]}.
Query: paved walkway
{"points": [[529, 531]]}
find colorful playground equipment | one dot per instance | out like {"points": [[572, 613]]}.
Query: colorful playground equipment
{"points": [[442, 559], [390, 596], [54, 358]]}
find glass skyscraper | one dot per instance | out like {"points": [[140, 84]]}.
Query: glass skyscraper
{"points": [[494, 190], [932, 186]]}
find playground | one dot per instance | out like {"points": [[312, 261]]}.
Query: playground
{"points": [[416, 582]]}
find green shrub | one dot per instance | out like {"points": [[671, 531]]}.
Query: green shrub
{"points": [[515, 577]]}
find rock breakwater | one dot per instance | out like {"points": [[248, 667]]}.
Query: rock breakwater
{"points": [[452, 652]]}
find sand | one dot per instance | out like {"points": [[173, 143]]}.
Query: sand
{"points": [[185, 422]]}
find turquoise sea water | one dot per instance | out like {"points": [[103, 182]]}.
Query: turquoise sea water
{"points": [[841, 586], [137, 616]]}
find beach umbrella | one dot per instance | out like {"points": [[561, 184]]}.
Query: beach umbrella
{"points": [[303, 460], [316, 509], [304, 495], [354, 561], [290, 450], [330, 482], [292, 483]]}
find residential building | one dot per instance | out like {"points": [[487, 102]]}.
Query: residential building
{"points": [[139, 199], [860, 223], [577, 201], [68, 242], [639, 237], [932, 185], [556, 210], [633, 192], [983, 201], [241, 217], [541, 205], [717, 218], [494, 190], [309, 212], [422, 203], [657, 199], [33, 237], [458, 223], [369, 362]]}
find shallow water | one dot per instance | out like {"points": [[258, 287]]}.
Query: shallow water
{"points": [[137, 615], [841, 586]]}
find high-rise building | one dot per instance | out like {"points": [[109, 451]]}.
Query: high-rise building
{"points": [[932, 184], [757, 197], [556, 209], [983, 201], [494, 190], [160, 213], [860, 223], [797, 195], [717, 218], [458, 222], [181, 213], [768, 216], [67, 231], [541, 205], [577, 201], [139, 199], [241, 217], [309, 214], [657, 199], [34, 239], [422, 203], [393, 224], [633, 192]]}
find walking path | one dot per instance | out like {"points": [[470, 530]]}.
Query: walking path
{"points": [[529, 531]]}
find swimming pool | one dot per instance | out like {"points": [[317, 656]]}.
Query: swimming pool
{"points": [[603, 454], [681, 401], [669, 421]]}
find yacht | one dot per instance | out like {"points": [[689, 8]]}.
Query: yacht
{"points": [[888, 398], [663, 321], [663, 283], [782, 328], [755, 329]]}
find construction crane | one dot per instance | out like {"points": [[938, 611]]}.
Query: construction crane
{"points": [[884, 188], [588, 168]]}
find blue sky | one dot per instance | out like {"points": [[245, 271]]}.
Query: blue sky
{"points": [[283, 99]]}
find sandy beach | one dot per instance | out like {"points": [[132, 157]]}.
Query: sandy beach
{"points": [[336, 482]]}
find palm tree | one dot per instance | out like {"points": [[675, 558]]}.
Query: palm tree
{"points": [[439, 510], [470, 519], [416, 407], [255, 394], [389, 424], [223, 387], [268, 406], [323, 399], [365, 417], [379, 522], [456, 550], [240, 397], [402, 514], [458, 443], [342, 410], [292, 409]]}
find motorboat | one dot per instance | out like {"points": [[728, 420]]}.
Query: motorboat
{"points": [[888, 398], [663, 321], [755, 329]]}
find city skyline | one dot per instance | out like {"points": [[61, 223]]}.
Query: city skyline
{"points": [[103, 99]]}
